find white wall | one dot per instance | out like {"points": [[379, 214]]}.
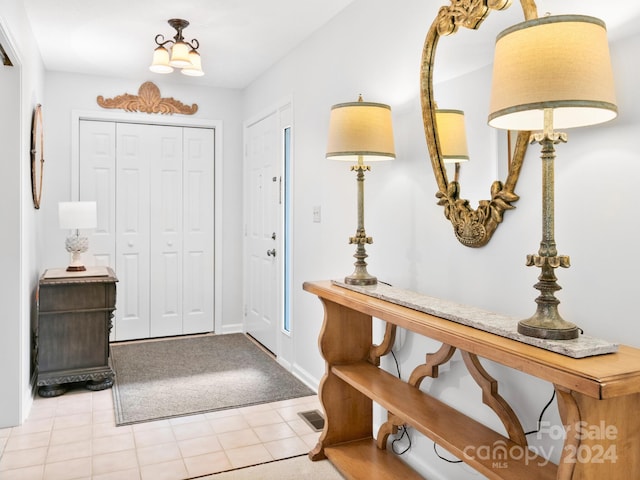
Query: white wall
{"points": [[67, 93], [22, 90], [373, 47]]}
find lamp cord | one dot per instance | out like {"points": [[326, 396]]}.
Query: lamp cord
{"points": [[403, 428], [553, 395]]}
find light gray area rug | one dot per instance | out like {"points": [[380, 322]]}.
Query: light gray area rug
{"points": [[295, 468], [187, 375]]}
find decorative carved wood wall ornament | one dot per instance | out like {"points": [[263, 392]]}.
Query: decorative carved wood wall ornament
{"points": [[148, 100], [472, 228]]}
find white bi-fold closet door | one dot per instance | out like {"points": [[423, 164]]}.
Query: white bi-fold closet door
{"points": [[154, 189]]}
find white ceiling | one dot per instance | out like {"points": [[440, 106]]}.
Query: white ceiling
{"points": [[239, 39]]}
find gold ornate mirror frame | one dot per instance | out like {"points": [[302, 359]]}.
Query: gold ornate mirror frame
{"points": [[472, 228]]}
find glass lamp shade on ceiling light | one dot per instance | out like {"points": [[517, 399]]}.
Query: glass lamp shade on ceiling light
{"points": [[160, 63], [195, 67], [180, 55]]}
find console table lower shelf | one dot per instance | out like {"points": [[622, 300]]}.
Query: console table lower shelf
{"points": [[592, 392]]}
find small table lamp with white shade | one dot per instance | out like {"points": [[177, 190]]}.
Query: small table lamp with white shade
{"points": [[77, 216], [551, 72], [358, 132]]}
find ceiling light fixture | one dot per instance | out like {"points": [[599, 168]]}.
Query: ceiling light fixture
{"points": [[179, 54]]}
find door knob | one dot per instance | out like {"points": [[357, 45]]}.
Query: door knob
{"points": [[271, 252]]}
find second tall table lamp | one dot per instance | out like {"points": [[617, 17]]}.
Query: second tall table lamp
{"points": [[551, 72], [360, 131]]}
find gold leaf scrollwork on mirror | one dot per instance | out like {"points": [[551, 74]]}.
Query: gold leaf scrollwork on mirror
{"points": [[466, 13], [472, 228]]}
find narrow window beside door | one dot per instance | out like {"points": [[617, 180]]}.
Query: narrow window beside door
{"points": [[287, 229]]}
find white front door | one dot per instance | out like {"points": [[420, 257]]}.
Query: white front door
{"points": [[263, 180]]}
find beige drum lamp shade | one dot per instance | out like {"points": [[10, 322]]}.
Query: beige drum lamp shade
{"points": [[360, 129], [452, 135], [558, 62]]}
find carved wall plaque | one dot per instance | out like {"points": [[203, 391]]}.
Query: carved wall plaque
{"points": [[148, 100]]}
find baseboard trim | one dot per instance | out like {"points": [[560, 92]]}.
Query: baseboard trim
{"points": [[232, 328], [305, 377]]}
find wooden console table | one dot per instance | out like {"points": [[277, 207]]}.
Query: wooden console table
{"points": [[598, 398], [75, 312]]}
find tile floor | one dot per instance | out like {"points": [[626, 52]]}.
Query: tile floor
{"points": [[74, 437]]}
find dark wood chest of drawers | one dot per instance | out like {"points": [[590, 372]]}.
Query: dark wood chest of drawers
{"points": [[75, 312]]}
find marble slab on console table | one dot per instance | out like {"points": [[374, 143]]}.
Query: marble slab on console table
{"points": [[583, 346]]}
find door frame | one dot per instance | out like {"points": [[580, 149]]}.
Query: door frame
{"points": [[285, 266], [17, 372], [145, 118]]}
